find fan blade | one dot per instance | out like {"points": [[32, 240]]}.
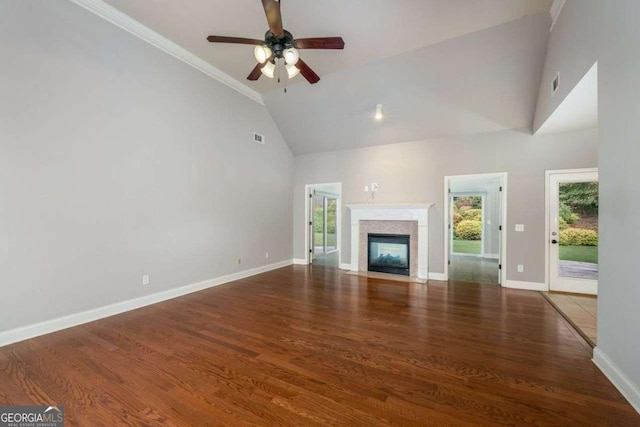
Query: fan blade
{"points": [[274, 18], [320, 43], [307, 72], [237, 40], [255, 73]]}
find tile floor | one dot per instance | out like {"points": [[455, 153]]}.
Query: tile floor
{"points": [[582, 310], [473, 269], [329, 260]]}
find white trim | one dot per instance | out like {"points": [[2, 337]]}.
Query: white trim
{"points": [[53, 325], [530, 286], [114, 16], [345, 266], [502, 257], [438, 276], [556, 8], [625, 386], [492, 256], [300, 261]]}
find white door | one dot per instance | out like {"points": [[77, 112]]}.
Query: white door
{"points": [[573, 229]]}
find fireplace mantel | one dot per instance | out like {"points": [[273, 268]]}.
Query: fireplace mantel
{"points": [[393, 212]]}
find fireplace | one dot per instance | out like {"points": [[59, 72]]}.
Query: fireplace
{"points": [[388, 253]]}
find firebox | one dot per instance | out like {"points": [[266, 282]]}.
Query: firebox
{"points": [[388, 253]]}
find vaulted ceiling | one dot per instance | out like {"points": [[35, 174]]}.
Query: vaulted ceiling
{"points": [[439, 67]]}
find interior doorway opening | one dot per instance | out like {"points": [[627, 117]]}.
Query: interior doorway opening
{"points": [[322, 222], [475, 243]]}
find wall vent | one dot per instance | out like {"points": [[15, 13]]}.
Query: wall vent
{"points": [[258, 138], [555, 84]]}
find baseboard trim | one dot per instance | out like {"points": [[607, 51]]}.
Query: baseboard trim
{"points": [[124, 21], [625, 386], [300, 261], [530, 286], [53, 325], [438, 276]]}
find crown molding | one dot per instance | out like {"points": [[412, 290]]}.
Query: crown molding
{"points": [[114, 16], [556, 8]]}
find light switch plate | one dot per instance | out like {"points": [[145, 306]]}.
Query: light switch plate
{"points": [[519, 227]]}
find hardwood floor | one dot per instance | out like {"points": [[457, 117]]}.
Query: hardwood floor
{"points": [[315, 346]]}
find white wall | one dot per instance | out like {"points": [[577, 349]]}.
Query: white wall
{"points": [[415, 171], [478, 83], [118, 160]]}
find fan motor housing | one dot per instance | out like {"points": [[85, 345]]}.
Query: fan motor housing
{"points": [[278, 44]]}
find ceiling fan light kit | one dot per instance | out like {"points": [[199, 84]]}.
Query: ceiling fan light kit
{"points": [[269, 69], [279, 44], [292, 71], [262, 53], [291, 56]]}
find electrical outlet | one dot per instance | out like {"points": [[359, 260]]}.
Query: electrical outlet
{"points": [[520, 268], [266, 255], [366, 188], [374, 186], [146, 280], [238, 260], [519, 227]]}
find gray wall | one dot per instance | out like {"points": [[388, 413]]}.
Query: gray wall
{"points": [[415, 171], [571, 51], [117, 160], [607, 32], [619, 158]]}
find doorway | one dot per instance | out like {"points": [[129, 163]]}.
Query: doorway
{"points": [[572, 230], [474, 240], [322, 214]]}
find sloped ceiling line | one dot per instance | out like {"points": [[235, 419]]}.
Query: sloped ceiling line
{"points": [[114, 16]]}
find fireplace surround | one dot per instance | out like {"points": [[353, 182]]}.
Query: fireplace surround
{"points": [[405, 218]]}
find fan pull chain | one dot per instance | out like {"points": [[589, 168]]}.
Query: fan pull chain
{"points": [[285, 85]]}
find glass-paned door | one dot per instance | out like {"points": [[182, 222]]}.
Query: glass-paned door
{"points": [[574, 232], [318, 225], [324, 235]]}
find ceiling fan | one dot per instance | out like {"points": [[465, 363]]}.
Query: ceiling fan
{"points": [[279, 44]]}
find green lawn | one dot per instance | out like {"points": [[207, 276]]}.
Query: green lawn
{"points": [[467, 246], [331, 239], [579, 253]]}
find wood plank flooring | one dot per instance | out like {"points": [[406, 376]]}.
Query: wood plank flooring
{"points": [[315, 346]]}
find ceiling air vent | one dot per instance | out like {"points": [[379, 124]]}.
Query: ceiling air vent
{"points": [[257, 138], [555, 84]]}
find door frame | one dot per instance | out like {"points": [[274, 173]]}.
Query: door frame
{"points": [[308, 189], [480, 194], [502, 256], [547, 215]]}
